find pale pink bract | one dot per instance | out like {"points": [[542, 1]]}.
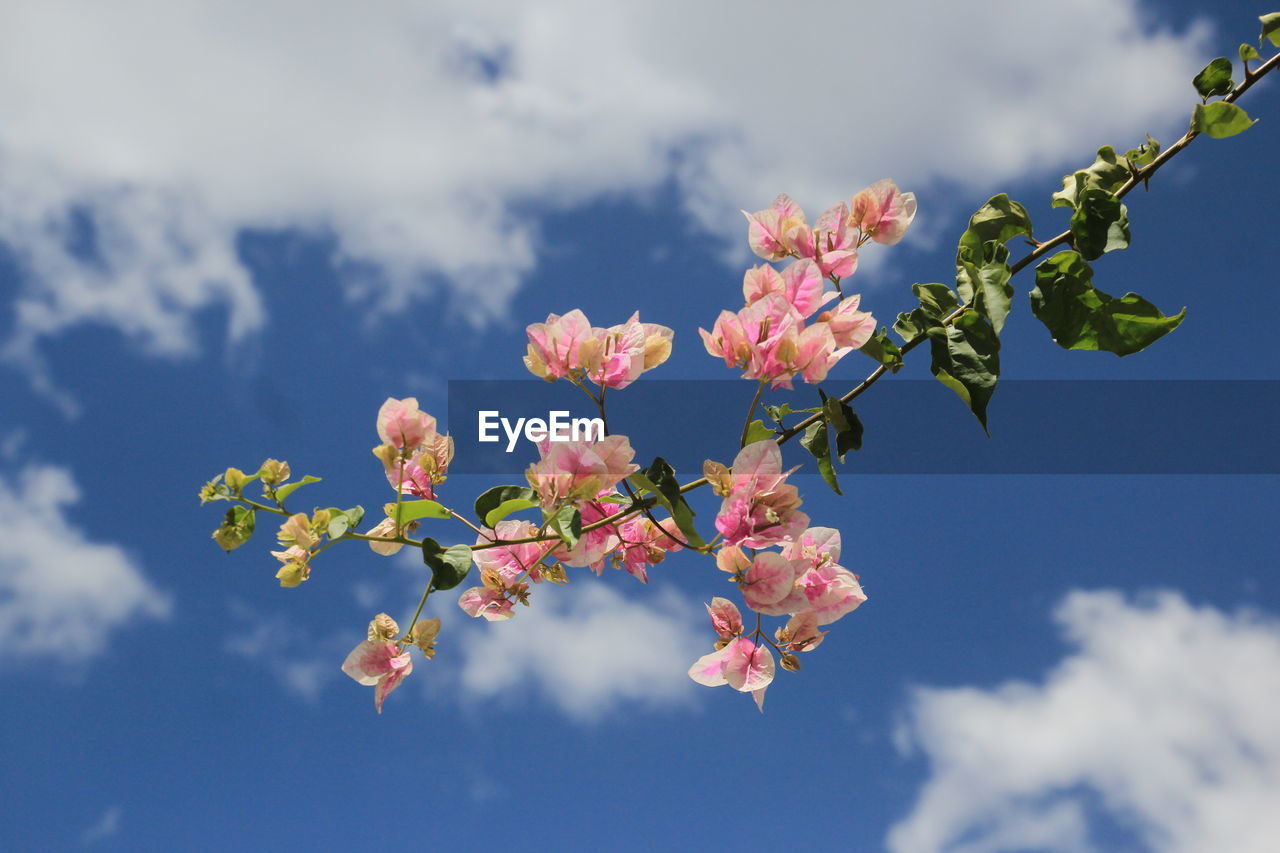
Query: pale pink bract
{"points": [[378, 664]]}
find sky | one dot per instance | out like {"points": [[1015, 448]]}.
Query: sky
{"points": [[229, 234]]}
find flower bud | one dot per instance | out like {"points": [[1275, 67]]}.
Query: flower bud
{"points": [[383, 627], [235, 480], [423, 635], [274, 472], [790, 662]]}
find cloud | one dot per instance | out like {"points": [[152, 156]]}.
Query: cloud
{"points": [[54, 581], [302, 661], [1161, 720], [588, 650], [140, 138], [105, 827]]}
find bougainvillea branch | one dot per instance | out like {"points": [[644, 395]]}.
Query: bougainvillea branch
{"points": [[593, 506]]}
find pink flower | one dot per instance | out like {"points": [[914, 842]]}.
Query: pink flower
{"points": [[580, 470], [641, 543], [490, 603], [378, 664], [768, 338], [832, 244], [422, 472], [401, 424], [760, 509], [741, 664], [509, 561], [882, 212], [385, 529], [593, 546], [615, 357], [849, 327], [800, 284], [801, 633], [296, 530], [769, 580], [554, 345], [725, 618], [824, 588], [769, 230]]}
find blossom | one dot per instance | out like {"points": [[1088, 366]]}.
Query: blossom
{"points": [[800, 284], [296, 530], [769, 341], [385, 529], [760, 509], [769, 580], [849, 327], [401, 424], [485, 601], [741, 664], [295, 568], [769, 230], [823, 588], [424, 470], [510, 560], [882, 212], [380, 664], [615, 357], [593, 546], [642, 543], [553, 345], [580, 470], [832, 244], [726, 619], [801, 633]]}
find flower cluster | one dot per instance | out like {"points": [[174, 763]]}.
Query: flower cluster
{"points": [[775, 335], [569, 347], [415, 456]]}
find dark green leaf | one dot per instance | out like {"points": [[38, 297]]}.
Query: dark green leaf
{"points": [[757, 431], [910, 326], [966, 359], [413, 510], [1108, 173], [1099, 224], [845, 423], [449, 566], [500, 501], [1270, 28], [881, 348], [816, 442], [1079, 316], [1215, 79], [984, 285], [284, 491], [660, 480], [777, 413], [1220, 119], [937, 300], [1000, 219]]}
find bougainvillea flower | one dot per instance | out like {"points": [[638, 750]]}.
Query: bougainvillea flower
{"points": [[385, 529], [402, 424], [824, 588], [295, 569], [770, 579], [510, 560], [801, 633], [424, 470], [379, 664], [882, 212], [485, 601], [832, 244], [296, 530], [741, 664], [760, 510], [580, 470], [769, 230], [849, 327], [615, 357], [800, 284], [593, 546], [726, 619], [641, 543]]}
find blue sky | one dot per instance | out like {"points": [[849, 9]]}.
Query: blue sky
{"points": [[218, 244]]}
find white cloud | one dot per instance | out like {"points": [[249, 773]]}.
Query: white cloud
{"points": [[420, 136], [60, 594], [302, 661], [1163, 717], [105, 827], [588, 650]]}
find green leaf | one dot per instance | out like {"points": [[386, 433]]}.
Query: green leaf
{"points": [[1099, 224], [1000, 219], [566, 523], [1108, 173], [847, 425], [355, 515], [449, 566], [757, 431], [660, 479], [412, 510], [777, 413], [910, 326], [1215, 79], [1270, 28], [985, 286], [937, 300], [500, 501], [881, 348], [1220, 119], [1079, 316], [1145, 154], [236, 528], [816, 442], [284, 491], [339, 523], [1247, 52], [966, 359]]}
